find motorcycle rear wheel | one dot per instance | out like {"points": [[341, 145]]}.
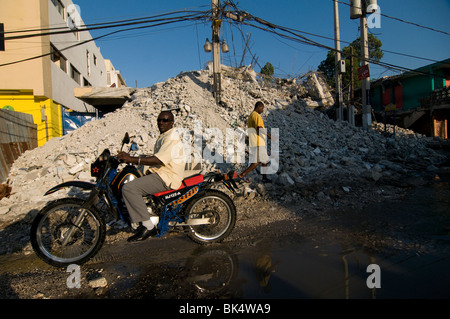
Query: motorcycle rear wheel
{"points": [[221, 210], [64, 233]]}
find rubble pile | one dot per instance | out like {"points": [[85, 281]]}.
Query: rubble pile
{"points": [[312, 146]]}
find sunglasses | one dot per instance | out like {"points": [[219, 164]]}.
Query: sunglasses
{"points": [[164, 120]]}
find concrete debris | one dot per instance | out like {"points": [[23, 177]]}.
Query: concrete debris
{"points": [[285, 180], [312, 146], [98, 282], [92, 93], [318, 90]]}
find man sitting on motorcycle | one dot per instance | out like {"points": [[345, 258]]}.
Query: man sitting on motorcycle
{"points": [[167, 172]]}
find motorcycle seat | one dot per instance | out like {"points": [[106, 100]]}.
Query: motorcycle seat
{"points": [[188, 181]]}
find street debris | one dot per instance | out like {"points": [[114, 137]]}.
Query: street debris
{"points": [[312, 147]]}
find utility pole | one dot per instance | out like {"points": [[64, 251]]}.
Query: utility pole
{"points": [[351, 107], [216, 21], [358, 9], [338, 66], [366, 108], [216, 46]]}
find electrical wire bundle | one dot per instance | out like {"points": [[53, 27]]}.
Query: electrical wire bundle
{"points": [[235, 16]]}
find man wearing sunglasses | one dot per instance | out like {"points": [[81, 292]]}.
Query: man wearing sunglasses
{"points": [[167, 172]]}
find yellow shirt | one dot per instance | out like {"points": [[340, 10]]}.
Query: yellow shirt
{"points": [[169, 150], [255, 120]]}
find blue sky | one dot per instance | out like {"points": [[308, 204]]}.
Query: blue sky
{"points": [[154, 55]]}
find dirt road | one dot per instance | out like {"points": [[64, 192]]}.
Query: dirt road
{"points": [[408, 217]]}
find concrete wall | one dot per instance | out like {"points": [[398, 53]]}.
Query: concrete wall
{"points": [[45, 112], [113, 76], [33, 74], [81, 57], [41, 75], [39, 86]]}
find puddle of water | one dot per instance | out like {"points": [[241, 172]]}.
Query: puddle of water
{"points": [[292, 270], [291, 267], [301, 269], [306, 271]]}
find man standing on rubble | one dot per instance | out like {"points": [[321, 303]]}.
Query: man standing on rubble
{"points": [[167, 172], [257, 143]]}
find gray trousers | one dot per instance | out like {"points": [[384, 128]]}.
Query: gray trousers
{"points": [[133, 192]]}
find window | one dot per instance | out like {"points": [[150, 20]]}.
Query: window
{"points": [[95, 60], [73, 26], [2, 37], [86, 82], [74, 74], [88, 60], [60, 7], [74, 29], [58, 58]]}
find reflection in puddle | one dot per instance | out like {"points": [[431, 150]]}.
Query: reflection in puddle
{"points": [[296, 267], [305, 271], [212, 270], [285, 267]]}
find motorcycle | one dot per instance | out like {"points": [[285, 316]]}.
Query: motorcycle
{"points": [[72, 230]]}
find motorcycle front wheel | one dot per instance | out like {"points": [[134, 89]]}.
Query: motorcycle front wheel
{"points": [[65, 233], [219, 209]]}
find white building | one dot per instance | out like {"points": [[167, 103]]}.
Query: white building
{"points": [[44, 85]]}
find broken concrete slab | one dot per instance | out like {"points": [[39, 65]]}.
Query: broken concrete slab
{"points": [[312, 147]]}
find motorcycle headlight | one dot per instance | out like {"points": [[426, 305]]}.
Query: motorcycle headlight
{"points": [[105, 155]]}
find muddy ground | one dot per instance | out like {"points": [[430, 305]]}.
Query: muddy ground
{"points": [[156, 268]]}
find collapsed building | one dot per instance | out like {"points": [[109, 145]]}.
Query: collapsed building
{"points": [[311, 145]]}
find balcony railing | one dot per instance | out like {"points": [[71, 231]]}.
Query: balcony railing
{"points": [[438, 97]]}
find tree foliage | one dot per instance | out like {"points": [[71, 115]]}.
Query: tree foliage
{"points": [[267, 69]]}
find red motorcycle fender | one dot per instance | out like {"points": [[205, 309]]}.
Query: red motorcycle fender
{"points": [[79, 184]]}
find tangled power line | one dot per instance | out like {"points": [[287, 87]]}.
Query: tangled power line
{"points": [[240, 17], [131, 24]]}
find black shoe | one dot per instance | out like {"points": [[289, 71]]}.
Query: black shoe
{"points": [[143, 233]]}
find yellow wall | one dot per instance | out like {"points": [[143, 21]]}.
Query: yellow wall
{"points": [[24, 101]]}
